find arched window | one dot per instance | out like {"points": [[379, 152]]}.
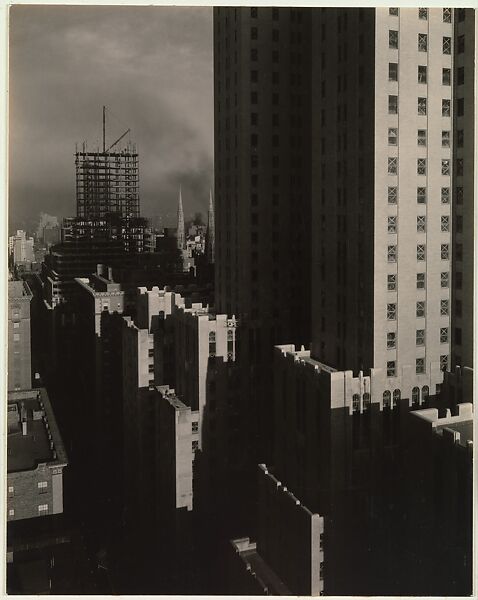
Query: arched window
{"points": [[212, 343], [425, 393], [415, 396], [396, 397], [387, 399], [356, 403], [366, 401]]}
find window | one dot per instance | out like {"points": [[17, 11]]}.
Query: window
{"points": [[422, 137], [42, 486], [445, 166], [392, 195], [421, 195], [420, 365], [460, 138], [445, 107], [391, 282], [16, 325], [420, 310], [392, 254], [253, 54], [422, 106], [423, 13], [392, 224], [275, 14], [393, 12], [446, 77], [459, 166], [459, 195], [396, 397], [446, 45], [447, 15], [16, 337], [254, 12], [445, 251], [421, 223], [387, 396], [425, 392], [460, 107], [391, 311], [421, 252], [253, 33], [42, 508], [420, 281], [444, 307], [11, 512], [393, 39], [420, 337], [391, 339], [415, 396], [11, 490], [392, 165], [195, 426], [366, 402], [422, 42], [253, 97], [445, 223], [194, 445], [445, 195], [459, 223], [392, 105], [356, 403], [393, 71], [461, 44], [421, 166], [443, 335], [444, 278], [422, 74], [212, 343], [445, 139], [391, 368], [392, 136], [444, 362]]}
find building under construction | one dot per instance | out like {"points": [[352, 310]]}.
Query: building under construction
{"points": [[107, 182], [107, 196]]}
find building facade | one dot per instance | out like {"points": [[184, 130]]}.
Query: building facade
{"points": [[19, 337], [36, 457]]}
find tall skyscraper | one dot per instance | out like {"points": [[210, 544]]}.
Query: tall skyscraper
{"points": [[381, 192], [463, 188], [262, 166]]}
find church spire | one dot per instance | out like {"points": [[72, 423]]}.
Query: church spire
{"points": [[180, 227], [210, 233]]}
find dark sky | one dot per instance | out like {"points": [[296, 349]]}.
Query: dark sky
{"points": [[152, 68]]}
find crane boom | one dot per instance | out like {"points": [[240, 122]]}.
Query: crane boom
{"points": [[118, 140]]}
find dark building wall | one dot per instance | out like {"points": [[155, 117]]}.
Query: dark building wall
{"points": [[342, 194]]}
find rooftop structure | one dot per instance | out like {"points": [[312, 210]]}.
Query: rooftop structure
{"points": [[35, 456]]}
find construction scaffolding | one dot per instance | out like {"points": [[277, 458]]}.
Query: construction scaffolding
{"points": [[107, 183]]}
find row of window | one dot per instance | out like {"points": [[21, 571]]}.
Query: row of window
{"points": [[422, 42], [421, 252], [422, 166], [392, 223], [422, 106], [422, 137], [392, 195], [420, 309], [42, 509], [422, 75], [419, 368], [419, 337], [423, 13]]}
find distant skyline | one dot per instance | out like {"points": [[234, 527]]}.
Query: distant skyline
{"points": [[151, 66]]}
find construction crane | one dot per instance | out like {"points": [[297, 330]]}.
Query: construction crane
{"points": [[105, 150]]}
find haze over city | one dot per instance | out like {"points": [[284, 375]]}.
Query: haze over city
{"points": [[152, 67]]}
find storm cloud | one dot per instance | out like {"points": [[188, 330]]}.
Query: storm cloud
{"points": [[151, 66]]}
